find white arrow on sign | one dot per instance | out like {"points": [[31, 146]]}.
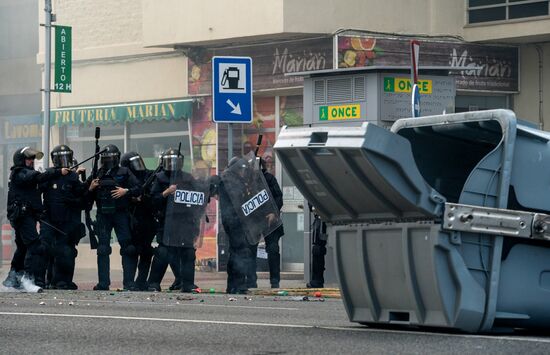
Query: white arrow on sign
{"points": [[236, 109]]}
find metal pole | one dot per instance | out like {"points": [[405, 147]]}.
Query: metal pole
{"points": [[47, 83], [229, 142]]}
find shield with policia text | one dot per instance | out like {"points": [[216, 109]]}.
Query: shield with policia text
{"points": [[185, 209], [251, 198]]}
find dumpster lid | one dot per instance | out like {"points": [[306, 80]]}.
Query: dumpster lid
{"points": [[357, 174]]}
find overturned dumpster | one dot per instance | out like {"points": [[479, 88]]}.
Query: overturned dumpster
{"points": [[440, 222]]}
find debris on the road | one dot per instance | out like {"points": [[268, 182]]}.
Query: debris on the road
{"points": [[282, 293], [15, 304], [185, 298], [300, 298], [201, 301], [248, 298], [232, 299], [60, 303], [317, 294], [42, 303], [112, 293], [71, 303], [212, 290], [197, 290]]}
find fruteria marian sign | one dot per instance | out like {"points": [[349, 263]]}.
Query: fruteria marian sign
{"points": [[118, 114]]}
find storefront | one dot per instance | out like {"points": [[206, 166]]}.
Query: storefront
{"points": [[148, 128], [494, 76], [278, 98], [16, 132]]}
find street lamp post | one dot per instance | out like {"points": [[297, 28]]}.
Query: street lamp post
{"points": [[47, 83]]}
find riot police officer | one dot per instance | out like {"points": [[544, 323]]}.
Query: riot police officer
{"points": [[271, 240], [239, 251], [112, 191], [180, 200], [142, 221], [63, 203], [24, 211], [318, 251]]}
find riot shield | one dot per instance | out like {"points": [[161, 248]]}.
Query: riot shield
{"points": [[185, 209], [251, 198]]}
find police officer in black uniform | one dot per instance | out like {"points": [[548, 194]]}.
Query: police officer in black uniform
{"points": [[271, 241], [142, 222], [112, 191], [318, 251], [24, 211], [234, 177], [64, 199], [176, 233]]}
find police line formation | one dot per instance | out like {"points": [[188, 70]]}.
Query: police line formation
{"points": [[139, 205]]}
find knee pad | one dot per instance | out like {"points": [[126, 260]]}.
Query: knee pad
{"points": [[129, 250], [272, 248], [319, 250], [104, 250]]}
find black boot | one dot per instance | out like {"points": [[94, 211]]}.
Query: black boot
{"points": [[12, 280]]}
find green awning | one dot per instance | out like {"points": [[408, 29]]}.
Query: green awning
{"points": [[118, 114]]}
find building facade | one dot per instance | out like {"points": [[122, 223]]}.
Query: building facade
{"points": [[141, 70]]}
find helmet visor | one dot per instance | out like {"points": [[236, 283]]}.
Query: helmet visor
{"points": [[31, 153], [109, 160], [62, 159], [172, 162], [137, 164]]}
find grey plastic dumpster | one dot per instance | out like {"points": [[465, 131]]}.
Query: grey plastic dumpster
{"points": [[439, 223]]}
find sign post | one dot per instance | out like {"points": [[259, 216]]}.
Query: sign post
{"points": [[415, 98], [231, 93]]}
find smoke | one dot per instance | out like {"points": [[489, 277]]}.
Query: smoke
{"points": [[27, 285]]}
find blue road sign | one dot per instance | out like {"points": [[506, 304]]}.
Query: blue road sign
{"points": [[415, 101], [232, 89]]}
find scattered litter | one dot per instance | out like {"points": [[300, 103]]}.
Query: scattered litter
{"points": [[71, 303], [317, 294], [112, 293], [248, 298], [54, 297], [148, 298], [42, 303], [177, 303], [300, 298], [185, 298], [232, 299], [87, 304], [15, 304], [60, 303], [201, 301], [282, 293], [197, 290], [212, 290]]}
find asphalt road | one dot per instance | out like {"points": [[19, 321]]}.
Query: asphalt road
{"points": [[86, 322]]}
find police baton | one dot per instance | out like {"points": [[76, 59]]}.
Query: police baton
{"points": [[90, 158], [52, 227]]}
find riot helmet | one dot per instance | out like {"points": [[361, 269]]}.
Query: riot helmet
{"points": [[26, 153], [132, 161], [62, 156], [110, 158], [172, 160], [238, 166]]}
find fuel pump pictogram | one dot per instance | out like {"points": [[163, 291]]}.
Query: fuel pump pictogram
{"points": [[231, 75]]}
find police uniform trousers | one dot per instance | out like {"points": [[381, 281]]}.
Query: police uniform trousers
{"points": [[62, 251]]}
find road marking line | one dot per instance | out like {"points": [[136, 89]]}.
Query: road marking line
{"points": [[154, 303], [301, 326], [65, 315]]}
